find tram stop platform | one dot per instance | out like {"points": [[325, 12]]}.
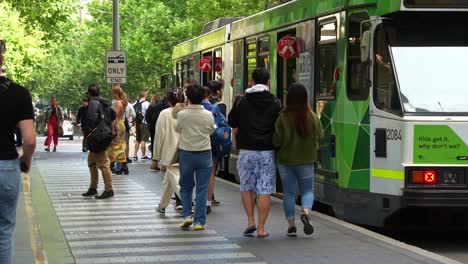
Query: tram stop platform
{"points": [[57, 225]]}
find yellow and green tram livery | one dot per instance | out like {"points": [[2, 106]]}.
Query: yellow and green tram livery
{"points": [[388, 80]]}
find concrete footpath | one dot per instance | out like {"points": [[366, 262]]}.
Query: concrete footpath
{"points": [[126, 228]]}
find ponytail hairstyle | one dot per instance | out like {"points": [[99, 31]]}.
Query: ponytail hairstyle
{"points": [[297, 109]]}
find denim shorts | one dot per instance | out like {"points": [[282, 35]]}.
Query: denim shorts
{"points": [[257, 171]]}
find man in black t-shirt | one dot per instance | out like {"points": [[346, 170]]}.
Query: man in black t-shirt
{"points": [[16, 111]]}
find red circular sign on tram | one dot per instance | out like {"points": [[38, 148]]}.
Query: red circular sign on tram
{"points": [[287, 47], [218, 64], [205, 64]]}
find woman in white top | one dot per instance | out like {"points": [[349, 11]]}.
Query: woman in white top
{"points": [[165, 149]]}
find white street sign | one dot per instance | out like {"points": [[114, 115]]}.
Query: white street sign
{"points": [[116, 70]]}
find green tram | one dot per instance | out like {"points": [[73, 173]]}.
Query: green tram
{"points": [[389, 81]]}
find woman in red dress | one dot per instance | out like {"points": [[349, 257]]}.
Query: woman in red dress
{"points": [[54, 120]]}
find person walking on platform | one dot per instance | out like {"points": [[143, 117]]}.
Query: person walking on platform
{"points": [[296, 137], [254, 116], [129, 119], [54, 120], [152, 116], [195, 125], [141, 127], [80, 120], [166, 151], [216, 97], [116, 151], [97, 160], [16, 112]]}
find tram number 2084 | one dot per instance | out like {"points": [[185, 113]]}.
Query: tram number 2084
{"points": [[393, 134]]}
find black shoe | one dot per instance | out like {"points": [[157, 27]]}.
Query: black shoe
{"points": [[145, 158], [90, 192], [105, 194], [123, 169], [292, 231], [84, 150], [47, 149], [55, 149], [208, 209], [112, 167], [129, 160], [308, 228]]}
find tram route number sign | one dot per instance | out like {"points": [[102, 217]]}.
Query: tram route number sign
{"points": [[116, 66], [287, 47], [205, 64]]}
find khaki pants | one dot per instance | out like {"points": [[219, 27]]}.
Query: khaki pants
{"points": [[100, 161], [170, 185]]}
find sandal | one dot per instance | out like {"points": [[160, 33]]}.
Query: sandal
{"points": [[249, 231], [264, 235]]}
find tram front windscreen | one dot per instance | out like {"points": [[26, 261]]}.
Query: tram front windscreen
{"points": [[429, 53], [432, 79]]}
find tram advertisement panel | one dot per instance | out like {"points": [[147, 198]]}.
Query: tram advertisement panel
{"points": [[440, 144], [305, 42]]}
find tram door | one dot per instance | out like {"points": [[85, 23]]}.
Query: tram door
{"points": [[207, 76], [286, 68]]}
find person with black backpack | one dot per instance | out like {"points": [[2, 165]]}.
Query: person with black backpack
{"points": [[99, 135], [141, 127]]}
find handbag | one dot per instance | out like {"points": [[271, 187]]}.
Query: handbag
{"points": [[60, 129]]}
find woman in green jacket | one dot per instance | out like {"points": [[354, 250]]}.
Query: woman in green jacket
{"points": [[296, 137]]}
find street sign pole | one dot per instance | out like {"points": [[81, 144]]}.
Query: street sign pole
{"points": [[116, 26]]}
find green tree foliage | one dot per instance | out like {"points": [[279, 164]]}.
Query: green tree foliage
{"points": [[68, 54], [51, 16], [25, 50]]}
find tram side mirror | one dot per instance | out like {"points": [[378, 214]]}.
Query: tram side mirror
{"points": [[365, 46]]}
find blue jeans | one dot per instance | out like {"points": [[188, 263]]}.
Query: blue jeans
{"points": [[194, 167], [10, 186], [304, 176]]}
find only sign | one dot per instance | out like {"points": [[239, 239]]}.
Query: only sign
{"points": [[287, 47], [205, 64]]}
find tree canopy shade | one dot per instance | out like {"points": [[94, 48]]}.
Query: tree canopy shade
{"points": [[52, 51]]}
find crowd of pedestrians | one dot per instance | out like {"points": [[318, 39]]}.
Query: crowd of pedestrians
{"points": [[188, 145], [266, 136], [190, 133]]}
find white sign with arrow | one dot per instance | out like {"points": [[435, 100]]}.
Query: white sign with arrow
{"points": [[116, 67]]}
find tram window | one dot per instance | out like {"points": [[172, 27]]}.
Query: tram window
{"points": [[190, 69], [218, 59], [208, 76], [251, 58], [237, 81], [386, 95], [196, 69], [264, 53], [178, 73], [358, 84], [327, 61]]}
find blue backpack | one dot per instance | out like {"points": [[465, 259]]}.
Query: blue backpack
{"points": [[221, 142]]}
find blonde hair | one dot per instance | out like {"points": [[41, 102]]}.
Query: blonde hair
{"points": [[117, 90]]}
